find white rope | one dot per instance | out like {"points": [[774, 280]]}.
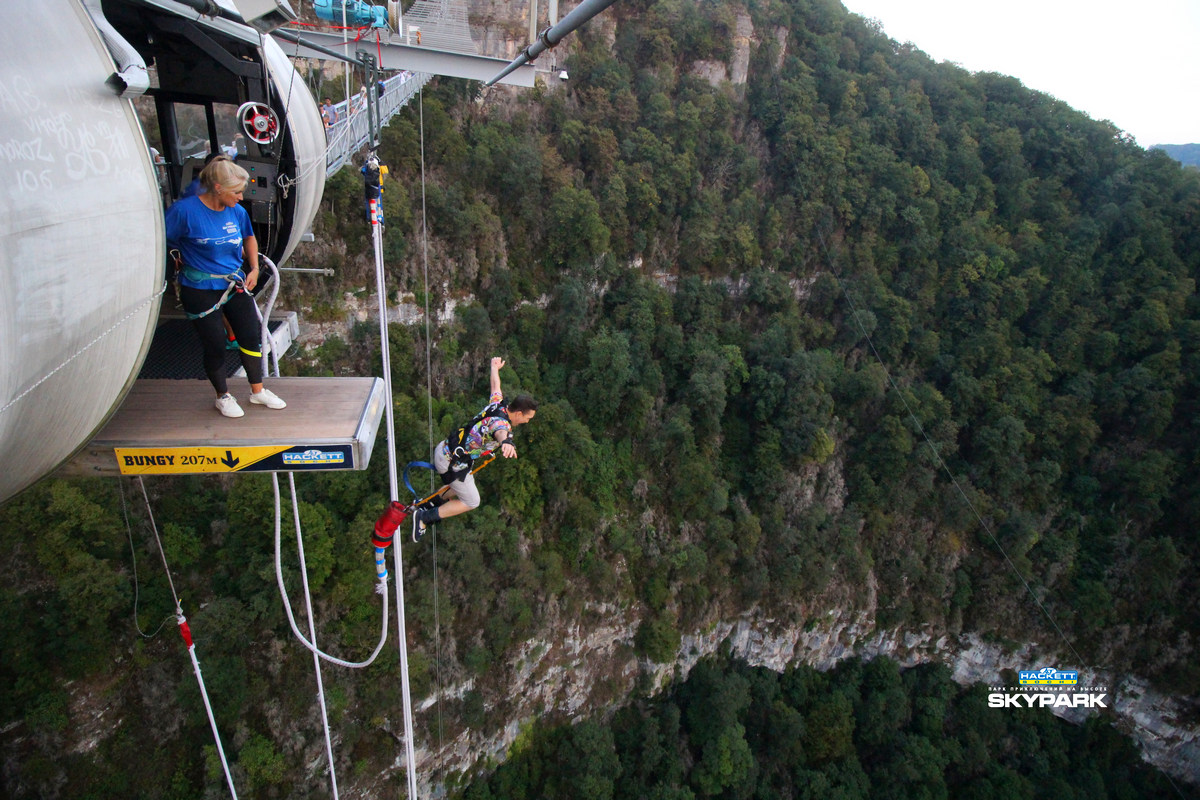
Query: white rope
{"points": [[133, 561], [212, 721], [410, 757], [264, 321], [287, 603], [191, 647], [381, 292], [385, 351], [437, 616], [86, 347], [312, 628]]}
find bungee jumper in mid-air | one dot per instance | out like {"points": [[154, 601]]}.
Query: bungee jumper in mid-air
{"points": [[490, 430]]}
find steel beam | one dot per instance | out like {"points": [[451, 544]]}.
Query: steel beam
{"points": [[399, 56]]}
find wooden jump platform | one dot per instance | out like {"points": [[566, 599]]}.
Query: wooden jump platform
{"points": [[170, 427]]}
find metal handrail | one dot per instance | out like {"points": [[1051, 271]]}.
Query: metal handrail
{"points": [[352, 131]]}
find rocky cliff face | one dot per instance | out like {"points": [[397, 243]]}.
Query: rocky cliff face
{"points": [[575, 665]]}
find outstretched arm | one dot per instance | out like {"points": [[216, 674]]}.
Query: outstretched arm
{"points": [[497, 363]]}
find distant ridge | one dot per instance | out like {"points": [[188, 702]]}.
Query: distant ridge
{"points": [[1187, 154]]}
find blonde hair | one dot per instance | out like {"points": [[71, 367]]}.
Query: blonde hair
{"points": [[222, 170]]}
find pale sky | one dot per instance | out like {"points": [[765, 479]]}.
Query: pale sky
{"points": [[1135, 64]]}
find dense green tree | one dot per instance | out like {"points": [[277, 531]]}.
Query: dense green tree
{"points": [[948, 747]]}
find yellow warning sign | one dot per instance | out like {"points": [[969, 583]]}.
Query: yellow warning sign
{"points": [[191, 460]]}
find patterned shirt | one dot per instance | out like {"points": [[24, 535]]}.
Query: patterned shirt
{"points": [[483, 433]]}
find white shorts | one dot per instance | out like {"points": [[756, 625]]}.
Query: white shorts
{"points": [[465, 488]]}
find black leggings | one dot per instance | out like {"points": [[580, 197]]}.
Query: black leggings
{"points": [[239, 310]]}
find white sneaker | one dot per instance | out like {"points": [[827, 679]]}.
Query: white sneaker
{"points": [[267, 398], [228, 406]]}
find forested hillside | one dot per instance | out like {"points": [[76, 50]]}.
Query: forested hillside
{"points": [[1188, 154], [759, 317], [859, 731]]}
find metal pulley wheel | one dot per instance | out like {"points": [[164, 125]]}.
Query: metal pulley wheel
{"points": [[258, 121]]}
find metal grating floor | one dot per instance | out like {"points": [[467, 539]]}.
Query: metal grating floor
{"points": [[175, 352]]}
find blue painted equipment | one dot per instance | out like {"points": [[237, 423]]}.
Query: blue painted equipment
{"points": [[358, 13]]}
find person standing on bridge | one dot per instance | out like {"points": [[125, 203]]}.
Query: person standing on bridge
{"points": [[329, 113]]}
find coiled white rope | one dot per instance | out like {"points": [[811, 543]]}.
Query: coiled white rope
{"points": [[287, 605], [312, 628]]}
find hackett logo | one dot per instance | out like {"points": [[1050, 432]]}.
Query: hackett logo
{"points": [[1049, 676]]}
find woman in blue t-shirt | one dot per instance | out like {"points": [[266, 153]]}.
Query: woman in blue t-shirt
{"points": [[215, 241]]}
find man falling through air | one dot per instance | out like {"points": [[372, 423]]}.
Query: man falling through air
{"points": [[490, 429]]}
